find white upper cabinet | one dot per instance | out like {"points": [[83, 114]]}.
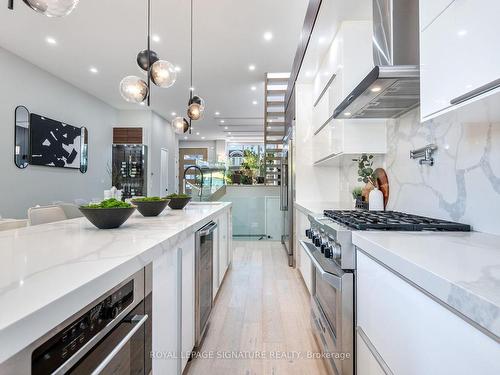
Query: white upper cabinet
{"points": [[459, 55], [348, 60], [430, 10]]}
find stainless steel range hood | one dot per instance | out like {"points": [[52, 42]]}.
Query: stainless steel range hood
{"points": [[392, 88]]}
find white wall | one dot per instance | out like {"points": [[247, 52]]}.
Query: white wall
{"points": [[24, 84]]}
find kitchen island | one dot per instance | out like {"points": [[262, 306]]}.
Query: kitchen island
{"points": [[49, 272]]}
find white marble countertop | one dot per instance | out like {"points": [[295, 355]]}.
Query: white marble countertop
{"points": [[461, 270], [317, 207], [49, 272]]}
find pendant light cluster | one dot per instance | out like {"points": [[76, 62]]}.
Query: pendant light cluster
{"points": [[196, 105], [161, 72], [49, 8]]}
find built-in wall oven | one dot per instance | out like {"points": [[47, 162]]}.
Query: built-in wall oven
{"points": [[332, 315], [204, 270], [112, 335]]}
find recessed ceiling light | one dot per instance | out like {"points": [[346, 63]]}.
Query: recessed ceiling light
{"points": [[156, 38], [174, 114], [254, 102], [253, 88], [197, 133], [462, 32], [217, 113], [177, 68], [347, 114], [51, 40], [268, 35], [202, 137], [222, 121], [251, 67], [225, 128], [376, 89], [93, 70]]}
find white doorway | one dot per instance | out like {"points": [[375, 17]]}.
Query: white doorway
{"points": [[164, 173]]}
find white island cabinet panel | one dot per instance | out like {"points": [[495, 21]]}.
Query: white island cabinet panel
{"points": [[188, 299], [459, 54], [166, 317], [413, 333], [215, 261], [223, 245]]}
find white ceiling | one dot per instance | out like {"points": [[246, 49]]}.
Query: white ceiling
{"points": [[108, 34]]}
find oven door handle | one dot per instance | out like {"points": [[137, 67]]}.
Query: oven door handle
{"points": [[207, 229], [139, 321], [334, 280]]}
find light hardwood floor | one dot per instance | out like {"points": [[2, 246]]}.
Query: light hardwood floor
{"points": [[262, 307]]}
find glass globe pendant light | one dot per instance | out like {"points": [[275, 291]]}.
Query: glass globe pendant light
{"points": [[163, 73], [52, 8], [180, 125], [196, 105], [134, 89]]}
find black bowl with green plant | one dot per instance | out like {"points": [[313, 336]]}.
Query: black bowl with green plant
{"points": [[150, 206], [108, 214], [178, 201]]}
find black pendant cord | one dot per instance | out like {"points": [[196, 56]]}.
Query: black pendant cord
{"points": [[191, 88], [11, 4], [149, 51]]}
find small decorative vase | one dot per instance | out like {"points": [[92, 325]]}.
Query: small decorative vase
{"points": [[376, 200]]}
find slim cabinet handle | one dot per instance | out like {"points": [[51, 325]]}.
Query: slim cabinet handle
{"points": [[476, 92]]}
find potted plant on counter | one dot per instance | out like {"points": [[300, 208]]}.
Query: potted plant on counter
{"points": [[108, 214], [150, 206], [366, 174], [178, 201], [357, 196]]}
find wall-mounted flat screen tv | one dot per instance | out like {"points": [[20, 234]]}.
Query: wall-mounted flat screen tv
{"points": [[53, 143]]}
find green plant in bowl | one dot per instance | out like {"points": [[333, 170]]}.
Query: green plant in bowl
{"points": [[150, 206], [178, 201], [108, 214], [109, 203], [172, 196], [149, 199]]}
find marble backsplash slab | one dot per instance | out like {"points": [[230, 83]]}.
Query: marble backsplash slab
{"points": [[464, 183]]}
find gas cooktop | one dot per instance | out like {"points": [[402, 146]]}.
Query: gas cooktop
{"points": [[392, 220]]}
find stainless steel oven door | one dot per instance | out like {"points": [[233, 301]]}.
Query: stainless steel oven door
{"points": [[333, 311], [122, 352]]}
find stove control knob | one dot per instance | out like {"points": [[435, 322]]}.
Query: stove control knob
{"points": [[308, 233], [328, 252], [323, 247], [317, 241]]}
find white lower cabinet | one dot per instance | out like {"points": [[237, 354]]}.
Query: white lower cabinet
{"points": [[366, 361], [413, 333], [215, 261], [302, 260], [223, 246], [166, 312], [188, 299]]}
